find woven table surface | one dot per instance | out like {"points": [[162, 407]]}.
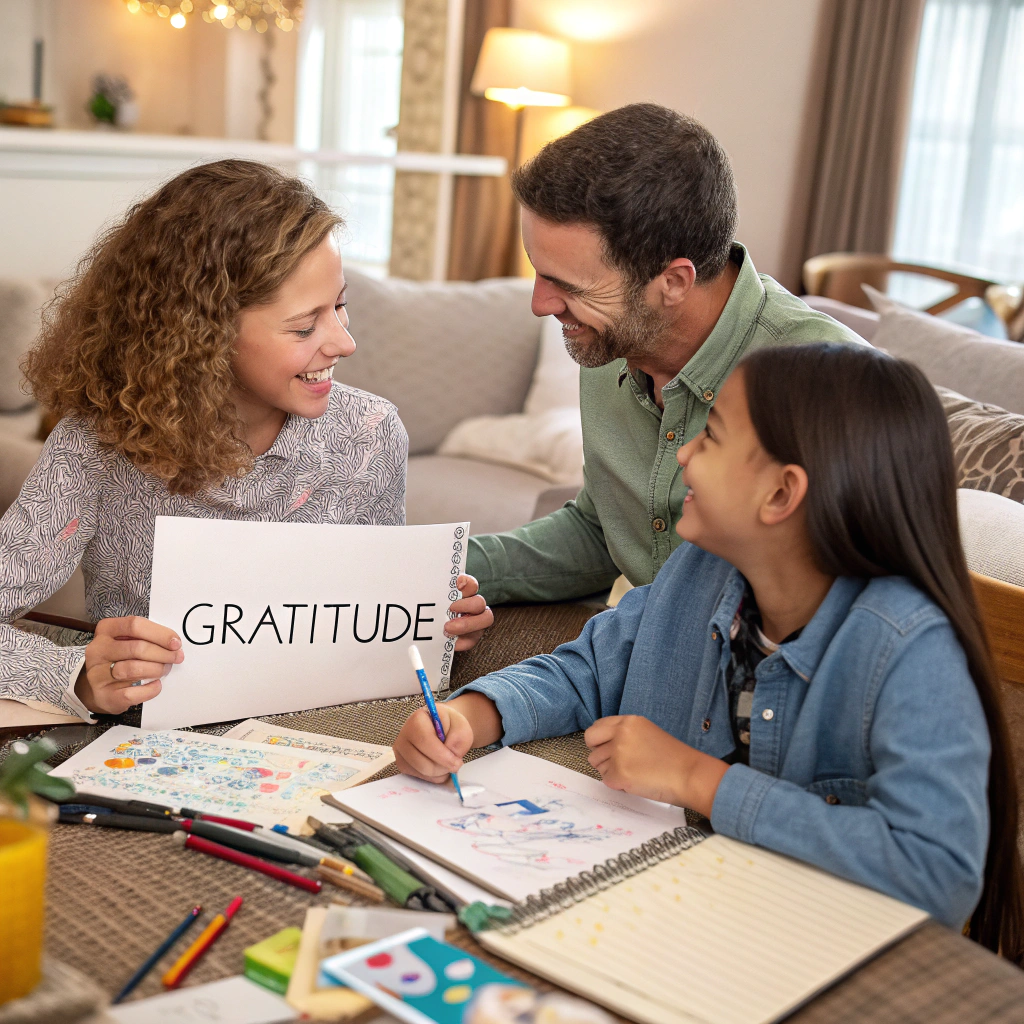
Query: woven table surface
{"points": [[113, 896]]}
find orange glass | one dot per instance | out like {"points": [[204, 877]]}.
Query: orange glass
{"points": [[23, 883]]}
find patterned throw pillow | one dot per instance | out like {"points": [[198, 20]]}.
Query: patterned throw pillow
{"points": [[988, 445]]}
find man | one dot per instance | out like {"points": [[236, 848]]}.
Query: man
{"points": [[629, 222]]}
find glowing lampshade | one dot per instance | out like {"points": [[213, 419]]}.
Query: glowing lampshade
{"points": [[522, 69]]}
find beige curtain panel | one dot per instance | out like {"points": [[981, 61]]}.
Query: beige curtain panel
{"points": [[484, 226], [866, 92]]}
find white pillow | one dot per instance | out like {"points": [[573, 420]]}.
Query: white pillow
{"points": [[556, 378], [546, 438], [547, 444]]}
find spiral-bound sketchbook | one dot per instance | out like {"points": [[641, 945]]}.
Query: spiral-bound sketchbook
{"points": [[664, 925]]}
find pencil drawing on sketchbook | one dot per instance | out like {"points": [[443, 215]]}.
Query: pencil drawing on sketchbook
{"points": [[537, 832]]}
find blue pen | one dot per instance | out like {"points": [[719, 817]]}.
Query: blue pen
{"points": [[171, 939], [421, 675]]}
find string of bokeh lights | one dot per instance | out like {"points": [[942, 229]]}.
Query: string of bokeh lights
{"points": [[243, 14]]}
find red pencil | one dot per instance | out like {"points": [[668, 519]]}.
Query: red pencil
{"points": [[187, 960], [247, 826], [246, 860]]}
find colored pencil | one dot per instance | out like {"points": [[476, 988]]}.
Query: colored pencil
{"points": [[245, 860], [346, 881], [190, 919], [212, 932], [428, 697]]}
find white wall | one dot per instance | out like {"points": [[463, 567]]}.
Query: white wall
{"points": [[746, 68], [201, 80]]}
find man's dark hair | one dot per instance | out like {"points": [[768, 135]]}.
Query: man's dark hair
{"points": [[656, 184]]}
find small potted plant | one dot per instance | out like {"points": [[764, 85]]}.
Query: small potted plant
{"points": [[113, 103], [24, 827]]}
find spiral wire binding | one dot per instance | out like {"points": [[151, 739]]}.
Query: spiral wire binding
{"points": [[600, 877]]}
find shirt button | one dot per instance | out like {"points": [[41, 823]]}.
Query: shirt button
{"points": [[714, 634], [659, 525], [709, 396], [832, 799], [767, 714], [705, 725], [670, 436]]}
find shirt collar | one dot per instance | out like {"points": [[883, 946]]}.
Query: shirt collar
{"points": [[712, 363], [803, 654], [288, 440]]}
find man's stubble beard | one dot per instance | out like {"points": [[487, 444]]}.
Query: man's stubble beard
{"points": [[633, 335]]}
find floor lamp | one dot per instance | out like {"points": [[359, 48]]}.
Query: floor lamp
{"points": [[522, 69]]}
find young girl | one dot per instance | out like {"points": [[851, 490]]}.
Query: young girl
{"points": [[191, 361], [832, 696]]}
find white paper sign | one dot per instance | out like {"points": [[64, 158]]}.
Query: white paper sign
{"points": [[278, 617]]}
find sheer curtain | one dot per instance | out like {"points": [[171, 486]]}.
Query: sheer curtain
{"points": [[962, 191], [348, 98]]}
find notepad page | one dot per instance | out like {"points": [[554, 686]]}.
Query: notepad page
{"points": [[723, 933]]}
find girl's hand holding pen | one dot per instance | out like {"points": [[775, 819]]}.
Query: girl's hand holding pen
{"points": [[420, 753], [124, 663]]}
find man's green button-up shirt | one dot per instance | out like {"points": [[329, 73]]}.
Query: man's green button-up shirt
{"points": [[623, 519]]}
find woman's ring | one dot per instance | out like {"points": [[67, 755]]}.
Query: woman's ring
{"points": [[112, 664]]}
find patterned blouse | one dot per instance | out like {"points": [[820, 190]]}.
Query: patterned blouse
{"points": [[85, 502]]}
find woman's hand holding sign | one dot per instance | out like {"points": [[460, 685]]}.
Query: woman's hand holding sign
{"points": [[473, 615], [124, 663]]}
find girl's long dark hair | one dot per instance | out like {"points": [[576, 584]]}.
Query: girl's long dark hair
{"points": [[881, 501]]}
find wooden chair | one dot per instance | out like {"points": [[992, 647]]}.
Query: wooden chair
{"points": [[839, 275], [1002, 611]]}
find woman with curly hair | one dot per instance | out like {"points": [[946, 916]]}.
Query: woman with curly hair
{"points": [[189, 362]]}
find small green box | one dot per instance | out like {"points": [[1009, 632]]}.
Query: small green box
{"points": [[270, 963]]}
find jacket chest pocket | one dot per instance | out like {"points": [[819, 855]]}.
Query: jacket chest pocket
{"points": [[849, 792]]}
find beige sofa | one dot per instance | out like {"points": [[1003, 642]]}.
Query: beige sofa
{"points": [[442, 353]]}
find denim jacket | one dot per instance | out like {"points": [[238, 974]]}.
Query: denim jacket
{"points": [[869, 749]]}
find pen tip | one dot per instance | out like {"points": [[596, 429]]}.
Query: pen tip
{"points": [[414, 657]]}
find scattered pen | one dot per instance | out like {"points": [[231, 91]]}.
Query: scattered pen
{"points": [[245, 860], [190, 919], [428, 697], [212, 932], [111, 819]]}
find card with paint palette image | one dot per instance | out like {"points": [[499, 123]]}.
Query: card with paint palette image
{"points": [[416, 978]]}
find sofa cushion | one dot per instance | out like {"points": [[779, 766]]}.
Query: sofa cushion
{"points": [[556, 380], [547, 444], [492, 498], [988, 445], [992, 532], [953, 357], [441, 351], [20, 303]]}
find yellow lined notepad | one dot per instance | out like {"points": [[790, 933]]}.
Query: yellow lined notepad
{"points": [[720, 933]]}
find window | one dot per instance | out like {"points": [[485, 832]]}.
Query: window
{"points": [[962, 193], [349, 85]]}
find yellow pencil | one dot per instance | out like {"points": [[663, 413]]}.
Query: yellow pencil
{"points": [[188, 959]]}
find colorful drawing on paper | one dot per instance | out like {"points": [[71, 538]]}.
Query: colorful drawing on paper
{"points": [[182, 769], [355, 753], [538, 832], [369, 757]]}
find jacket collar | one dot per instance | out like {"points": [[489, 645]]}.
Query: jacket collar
{"points": [[804, 654]]}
